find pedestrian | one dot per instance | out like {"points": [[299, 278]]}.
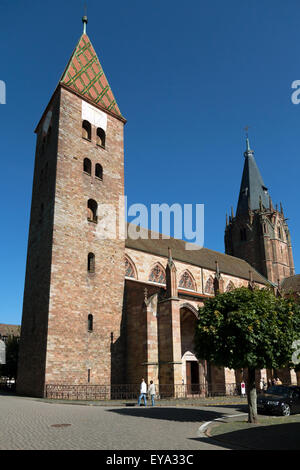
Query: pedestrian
{"points": [[143, 391], [261, 385], [152, 392], [243, 388], [269, 383]]}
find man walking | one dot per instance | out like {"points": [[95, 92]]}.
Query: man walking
{"points": [[152, 392], [143, 392]]}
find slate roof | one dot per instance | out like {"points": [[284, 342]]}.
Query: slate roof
{"points": [[252, 186], [9, 330], [202, 257], [291, 284]]}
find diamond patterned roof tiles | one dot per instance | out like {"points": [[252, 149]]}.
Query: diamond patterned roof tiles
{"points": [[84, 75]]}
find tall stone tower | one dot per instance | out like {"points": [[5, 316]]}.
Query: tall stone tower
{"points": [[259, 233], [73, 297]]}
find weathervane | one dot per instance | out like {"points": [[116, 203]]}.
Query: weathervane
{"points": [[246, 129]]}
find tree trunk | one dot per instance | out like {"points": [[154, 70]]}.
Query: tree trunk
{"points": [[251, 393]]}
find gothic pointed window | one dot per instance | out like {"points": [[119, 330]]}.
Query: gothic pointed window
{"points": [[158, 274], [130, 270], [100, 140], [187, 281], [209, 286], [230, 286], [86, 130]]}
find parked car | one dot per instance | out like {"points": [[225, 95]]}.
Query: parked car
{"points": [[279, 399]]}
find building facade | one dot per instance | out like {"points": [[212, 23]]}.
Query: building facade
{"points": [[102, 310]]}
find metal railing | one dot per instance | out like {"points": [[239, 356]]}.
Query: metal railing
{"points": [[131, 391]]}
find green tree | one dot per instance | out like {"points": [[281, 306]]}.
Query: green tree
{"points": [[250, 329]]}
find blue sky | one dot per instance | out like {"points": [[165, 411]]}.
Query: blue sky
{"points": [[188, 77]]}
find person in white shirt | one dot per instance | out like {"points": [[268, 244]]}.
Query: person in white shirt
{"points": [[152, 392], [143, 391]]}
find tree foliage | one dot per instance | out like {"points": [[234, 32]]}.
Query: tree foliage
{"points": [[248, 329]]}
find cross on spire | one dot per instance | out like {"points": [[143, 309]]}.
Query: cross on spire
{"points": [[84, 18]]}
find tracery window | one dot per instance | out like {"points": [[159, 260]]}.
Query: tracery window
{"points": [[230, 286], [129, 269], [158, 274], [187, 281], [209, 286]]}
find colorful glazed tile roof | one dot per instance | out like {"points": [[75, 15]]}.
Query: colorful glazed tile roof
{"points": [[85, 76]]}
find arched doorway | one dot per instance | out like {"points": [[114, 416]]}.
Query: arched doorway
{"points": [[193, 371]]}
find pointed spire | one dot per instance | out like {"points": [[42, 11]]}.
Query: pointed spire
{"points": [[270, 203], [253, 192], [281, 209], [85, 77], [247, 145]]}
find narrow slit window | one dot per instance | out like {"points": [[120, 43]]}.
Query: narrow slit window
{"points": [[90, 322], [91, 263]]}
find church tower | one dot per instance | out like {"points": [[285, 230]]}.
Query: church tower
{"points": [[73, 296], [259, 233]]}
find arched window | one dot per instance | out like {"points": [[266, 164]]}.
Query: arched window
{"points": [[209, 286], [91, 263], [87, 166], [129, 268], [92, 207], [99, 171], [230, 286], [100, 139], [86, 130], [90, 322], [158, 274], [187, 281]]}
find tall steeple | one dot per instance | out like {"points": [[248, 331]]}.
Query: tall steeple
{"points": [[253, 188], [259, 233], [84, 75]]}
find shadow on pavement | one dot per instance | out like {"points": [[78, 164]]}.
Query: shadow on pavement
{"points": [[272, 437], [169, 414]]}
